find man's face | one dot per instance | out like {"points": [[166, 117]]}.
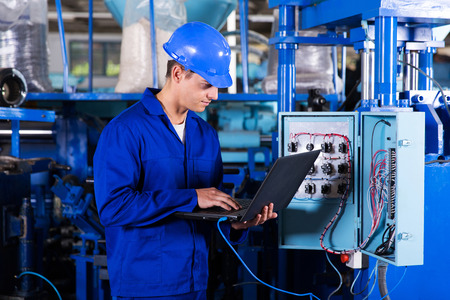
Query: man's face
{"points": [[196, 93]]}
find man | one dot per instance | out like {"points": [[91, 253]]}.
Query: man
{"points": [[159, 157]]}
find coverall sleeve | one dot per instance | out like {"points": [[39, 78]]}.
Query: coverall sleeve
{"points": [[238, 236], [117, 170]]}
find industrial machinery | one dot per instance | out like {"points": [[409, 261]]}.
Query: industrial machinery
{"points": [[396, 43], [378, 189]]}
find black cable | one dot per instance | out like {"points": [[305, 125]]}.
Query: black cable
{"points": [[349, 94], [251, 34], [362, 291], [246, 283], [437, 161], [386, 244], [236, 285], [434, 81], [373, 131]]}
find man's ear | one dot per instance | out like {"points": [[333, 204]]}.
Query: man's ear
{"points": [[177, 73]]}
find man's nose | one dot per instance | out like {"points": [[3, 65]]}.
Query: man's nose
{"points": [[213, 93]]}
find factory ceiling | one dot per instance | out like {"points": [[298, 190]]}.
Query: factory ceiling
{"points": [[76, 13]]}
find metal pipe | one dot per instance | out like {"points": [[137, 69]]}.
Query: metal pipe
{"points": [[243, 25], [30, 133], [414, 72], [91, 60], [13, 87], [407, 72], [367, 75], [153, 44], [231, 26], [371, 74], [62, 40], [365, 69]]}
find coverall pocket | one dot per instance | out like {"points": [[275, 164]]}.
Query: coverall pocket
{"points": [[204, 171], [142, 258]]}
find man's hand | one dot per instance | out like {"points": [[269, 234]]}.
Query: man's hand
{"points": [[266, 214], [210, 197]]}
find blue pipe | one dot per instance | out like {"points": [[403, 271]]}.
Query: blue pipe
{"points": [[286, 60], [26, 244], [243, 25], [62, 40], [15, 138], [91, 12], [153, 40], [386, 60]]}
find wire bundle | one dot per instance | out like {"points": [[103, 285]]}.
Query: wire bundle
{"points": [[347, 187], [377, 195], [378, 190], [388, 240], [377, 198]]}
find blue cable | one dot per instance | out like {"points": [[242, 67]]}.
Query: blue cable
{"points": [[251, 273], [396, 284], [39, 275]]}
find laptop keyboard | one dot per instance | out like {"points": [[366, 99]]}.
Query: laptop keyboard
{"points": [[245, 203]]}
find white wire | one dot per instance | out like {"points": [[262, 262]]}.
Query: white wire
{"points": [[375, 269], [379, 188], [340, 276], [353, 283]]}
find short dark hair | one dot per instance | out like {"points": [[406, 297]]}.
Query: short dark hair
{"points": [[172, 63]]}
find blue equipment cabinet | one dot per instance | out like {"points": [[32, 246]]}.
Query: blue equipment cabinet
{"points": [[404, 141], [367, 189]]}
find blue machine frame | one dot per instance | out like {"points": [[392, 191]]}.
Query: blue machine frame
{"points": [[20, 114]]}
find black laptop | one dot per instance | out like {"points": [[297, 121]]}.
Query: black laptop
{"points": [[279, 187]]}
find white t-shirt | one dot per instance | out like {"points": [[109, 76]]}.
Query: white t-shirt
{"points": [[180, 129]]}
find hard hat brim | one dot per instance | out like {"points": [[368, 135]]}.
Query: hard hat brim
{"points": [[219, 81]]}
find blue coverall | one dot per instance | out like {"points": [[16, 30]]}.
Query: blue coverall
{"points": [[142, 174]]}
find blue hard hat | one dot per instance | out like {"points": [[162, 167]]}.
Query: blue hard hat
{"points": [[202, 49]]}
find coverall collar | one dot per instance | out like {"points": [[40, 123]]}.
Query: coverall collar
{"points": [[154, 107]]}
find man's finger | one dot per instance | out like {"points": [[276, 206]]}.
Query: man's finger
{"points": [[222, 204], [264, 215], [269, 213], [228, 200], [256, 220], [232, 203]]}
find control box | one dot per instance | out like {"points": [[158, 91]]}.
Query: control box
{"points": [[365, 192]]}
